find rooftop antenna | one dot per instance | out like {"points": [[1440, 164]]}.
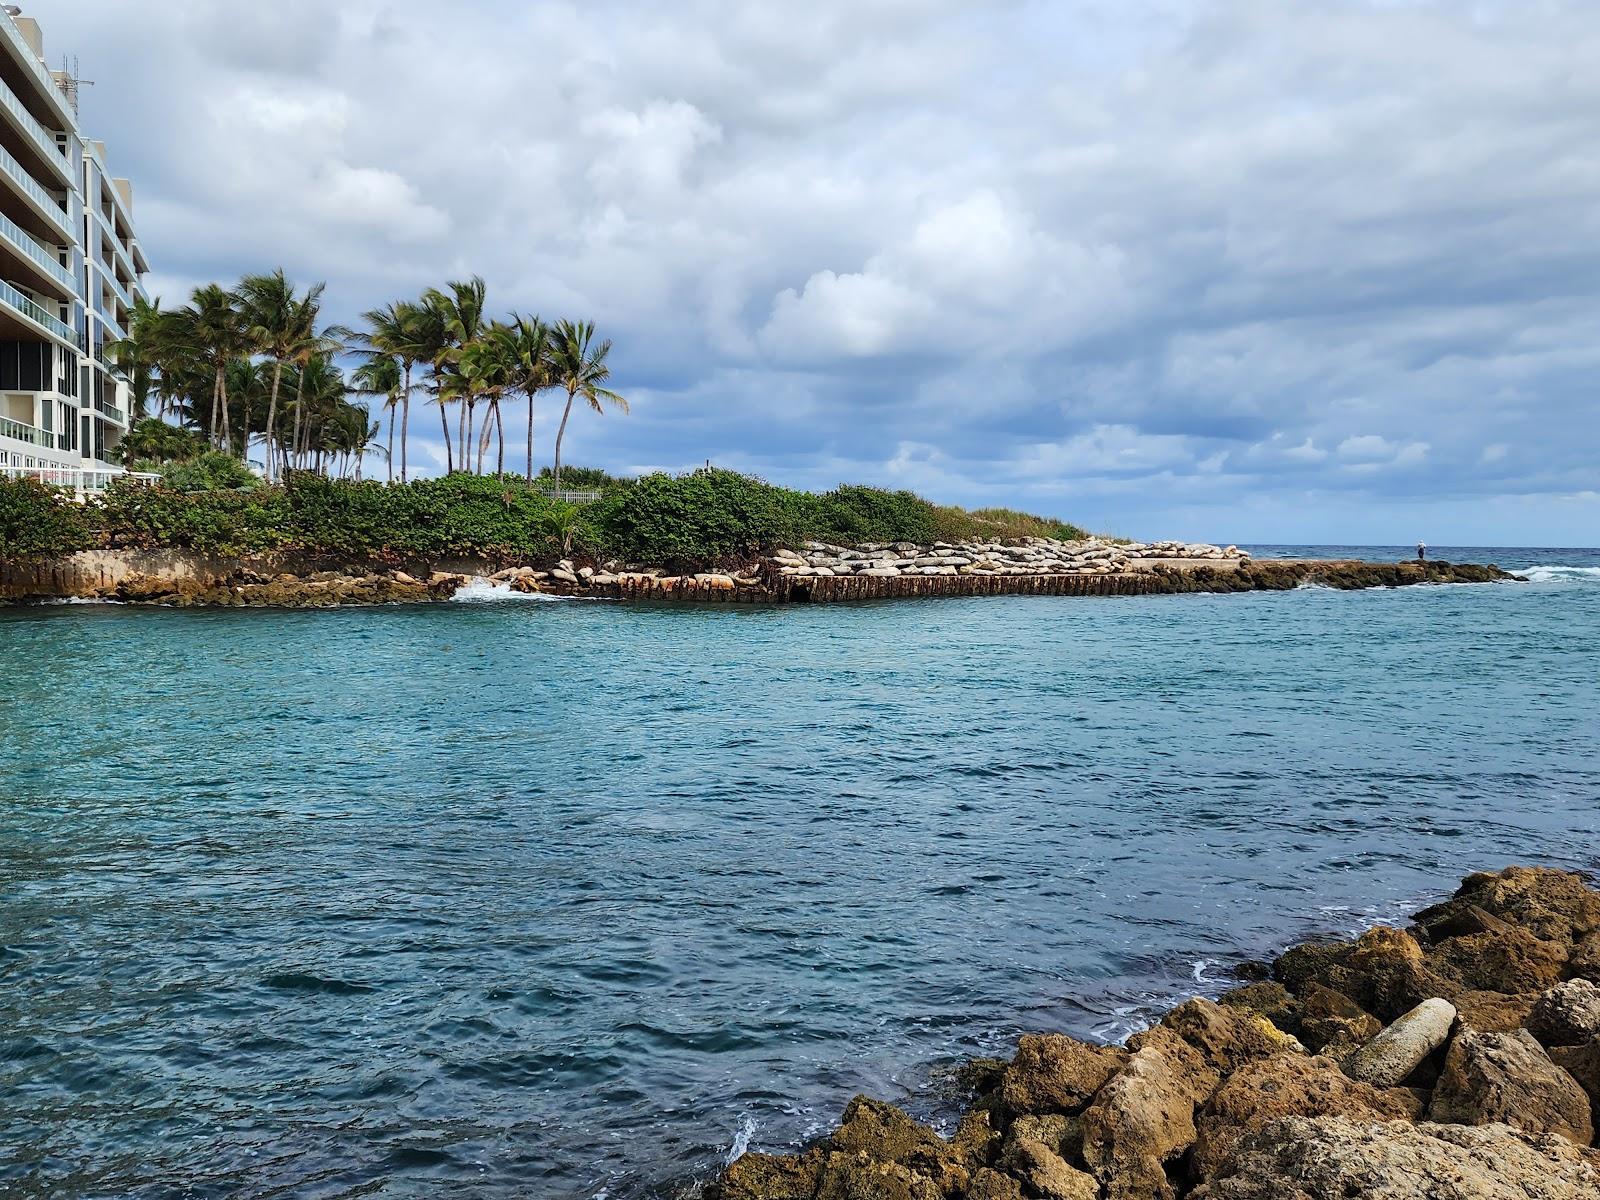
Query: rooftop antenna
{"points": [[71, 82]]}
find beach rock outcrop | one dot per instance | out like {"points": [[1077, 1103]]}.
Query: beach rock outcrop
{"points": [[1287, 1085], [1292, 1088], [1566, 1015], [1507, 1078], [1333, 1158], [1052, 1073]]}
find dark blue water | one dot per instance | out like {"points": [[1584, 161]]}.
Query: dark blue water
{"points": [[553, 899]]}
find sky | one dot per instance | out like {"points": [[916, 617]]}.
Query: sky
{"points": [[1240, 270]]}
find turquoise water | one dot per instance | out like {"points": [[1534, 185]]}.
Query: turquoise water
{"points": [[518, 898]]}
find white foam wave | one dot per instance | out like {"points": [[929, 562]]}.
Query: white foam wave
{"points": [[480, 590], [741, 1139], [1556, 573]]}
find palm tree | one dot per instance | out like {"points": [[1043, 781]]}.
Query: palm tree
{"points": [[311, 347], [214, 332], [381, 375], [483, 370], [138, 356], [461, 310], [280, 323], [578, 366], [397, 330], [525, 344]]}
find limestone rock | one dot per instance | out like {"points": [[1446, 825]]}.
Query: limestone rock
{"points": [[1330, 1158], [1554, 906], [1506, 1078], [770, 1177], [882, 1133], [1566, 1015], [1226, 1037], [1054, 1073], [1583, 1064], [1331, 1020], [1145, 1116], [1045, 1174], [1287, 1085], [1057, 1132], [1509, 961], [1271, 1000], [1390, 1057], [992, 1185], [1493, 1012]]}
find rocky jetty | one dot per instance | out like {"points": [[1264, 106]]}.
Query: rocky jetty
{"points": [[1457, 1059], [815, 573]]}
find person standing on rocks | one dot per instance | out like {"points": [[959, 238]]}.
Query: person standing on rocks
{"points": [[1422, 551]]}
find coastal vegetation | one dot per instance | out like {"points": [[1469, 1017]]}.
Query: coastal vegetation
{"points": [[256, 366], [696, 519]]}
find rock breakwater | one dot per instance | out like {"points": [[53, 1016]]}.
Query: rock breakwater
{"points": [[815, 573], [1457, 1059]]}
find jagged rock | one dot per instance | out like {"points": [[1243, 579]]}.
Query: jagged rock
{"points": [[1506, 1078], [1057, 1132], [1583, 1064], [1384, 971], [1566, 1015], [882, 1132], [1145, 1115], [1393, 1054], [1054, 1073], [1283, 1086], [770, 1177], [1331, 1021], [1332, 1158], [1271, 1000], [862, 1177], [1509, 961], [1493, 1012], [1585, 960], [1044, 1173], [1225, 1037], [1554, 906]]}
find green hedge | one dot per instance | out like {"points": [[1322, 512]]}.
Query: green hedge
{"points": [[696, 519]]}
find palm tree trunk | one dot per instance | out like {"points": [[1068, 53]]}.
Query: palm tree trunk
{"points": [[530, 437], [562, 433], [463, 428], [272, 418], [405, 422], [299, 406], [444, 422], [394, 411], [500, 433], [222, 408]]}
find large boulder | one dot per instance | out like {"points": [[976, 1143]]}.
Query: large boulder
{"points": [[1044, 1173], [1583, 1064], [1225, 1037], [770, 1177], [1554, 906], [1144, 1116], [1507, 1078], [1286, 1085], [1271, 1000], [1384, 972], [1055, 1073], [1330, 1021], [1331, 1158], [871, 1129], [1494, 1012], [1511, 961], [1389, 1058], [1566, 1015]]}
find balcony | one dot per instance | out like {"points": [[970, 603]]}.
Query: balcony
{"points": [[47, 82], [31, 128], [14, 299], [50, 209], [16, 236], [25, 433], [111, 410]]}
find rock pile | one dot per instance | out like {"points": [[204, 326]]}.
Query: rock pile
{"points": [[1458, 1059], [1027, 556], [249, 588]]}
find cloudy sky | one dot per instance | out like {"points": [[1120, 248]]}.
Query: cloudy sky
{"points": [[1252, 270]]}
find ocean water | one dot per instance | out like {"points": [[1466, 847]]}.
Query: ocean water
{"points": [[509, 898]]}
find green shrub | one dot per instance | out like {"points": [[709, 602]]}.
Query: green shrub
{"points": [[38, 519], [149, 516], [702, 517], [211, 471], [866, 514], [153, 440]]}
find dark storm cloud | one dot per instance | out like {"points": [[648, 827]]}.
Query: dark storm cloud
{"points": [[1234, 269]]}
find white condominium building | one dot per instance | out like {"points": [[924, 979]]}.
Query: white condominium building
{"points": [[70, 268]]}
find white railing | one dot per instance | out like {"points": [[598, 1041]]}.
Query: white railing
{"points": [[52, 206], [29, 122], [571, 496], [19, 238], [25, 52], [24, 433], [83, 480], [35, 312]]}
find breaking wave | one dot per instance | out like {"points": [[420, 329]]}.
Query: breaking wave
{"points": [[481, 590]]}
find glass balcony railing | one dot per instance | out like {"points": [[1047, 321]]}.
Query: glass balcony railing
{"points": [[112, 411], [9, 31], [36, 312], [23, 433], [54, 207], [19, 238], [112, 325], [36, 131]]}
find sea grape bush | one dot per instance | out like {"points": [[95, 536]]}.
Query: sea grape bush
{"points": [[703, 517]]}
